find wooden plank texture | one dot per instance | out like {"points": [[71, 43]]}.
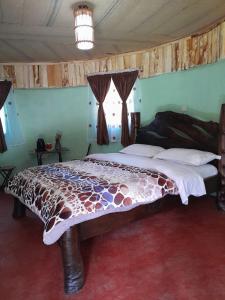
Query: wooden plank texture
{"points": [[182, 54]]}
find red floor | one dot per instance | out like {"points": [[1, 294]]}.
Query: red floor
{"points": [[175, 255]]}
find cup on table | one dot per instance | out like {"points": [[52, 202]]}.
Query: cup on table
{"points": [[48, 146]]}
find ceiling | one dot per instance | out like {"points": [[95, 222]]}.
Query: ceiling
{"points": [[42, 30]]}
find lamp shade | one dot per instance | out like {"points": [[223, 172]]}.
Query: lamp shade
{"points": [[83, 28]]}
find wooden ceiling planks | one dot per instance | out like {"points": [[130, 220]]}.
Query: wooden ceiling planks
{"points": [[182, 54]]}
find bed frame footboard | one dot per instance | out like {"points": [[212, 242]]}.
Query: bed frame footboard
{"points": [[19, 210], [72, 260]]}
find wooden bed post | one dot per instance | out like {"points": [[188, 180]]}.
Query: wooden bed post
{"points": [[19, 210], [72, 260], [221, 194]]}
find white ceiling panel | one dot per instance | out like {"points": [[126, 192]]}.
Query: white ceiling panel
{"points": [[42, 30], [64, 17], [36, 13], [190, 17], [9, 53], [12, 11], [130, 15]]}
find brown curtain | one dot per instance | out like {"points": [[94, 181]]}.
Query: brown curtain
{"points": [[124, 83], [100, 85], [4, 91]]}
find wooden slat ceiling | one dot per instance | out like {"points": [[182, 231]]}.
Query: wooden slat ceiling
{"points": [[42, 31]]}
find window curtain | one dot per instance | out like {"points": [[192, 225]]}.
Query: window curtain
{"points": [[100, 85], [112, 108], [92, 116], [13, 134], [4, 91], [124, 83]]}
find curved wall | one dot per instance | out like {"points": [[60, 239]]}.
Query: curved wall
{"points": [[199, 91], [182, 54]]}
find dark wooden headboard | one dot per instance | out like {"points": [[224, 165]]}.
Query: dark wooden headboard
{"points": [[175, 130], [221, 151]]}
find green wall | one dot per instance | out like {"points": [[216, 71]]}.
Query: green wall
{"points": [[199, 92], [45, 111]]}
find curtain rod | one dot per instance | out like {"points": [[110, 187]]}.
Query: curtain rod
{"points": [[113, 72]]}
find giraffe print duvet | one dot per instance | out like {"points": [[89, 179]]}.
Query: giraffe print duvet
{"points": [[65, 194]]}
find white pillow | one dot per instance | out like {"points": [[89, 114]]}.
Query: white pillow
{"points": [[142, 150], [187, 156]]}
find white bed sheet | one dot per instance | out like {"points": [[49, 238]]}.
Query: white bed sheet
{"points": [[189, 179], [205, 171]]}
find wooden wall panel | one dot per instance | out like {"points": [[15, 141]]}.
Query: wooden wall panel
{"points": [[65, 74], [215, 44], [43, 73], [167, 55], [8, 71], [222, 40], [145, 65], [54, 75], [19, 76], [182, 54]]}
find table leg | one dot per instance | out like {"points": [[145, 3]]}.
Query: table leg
{"points": [[39, 158], [60, 156]]}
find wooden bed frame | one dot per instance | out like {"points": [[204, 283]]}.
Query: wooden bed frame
{"points": [[168, 130]]}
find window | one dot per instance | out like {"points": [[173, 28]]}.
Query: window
{"points": [[11, 122], [113, 109], [3, 119], [113, 105]]}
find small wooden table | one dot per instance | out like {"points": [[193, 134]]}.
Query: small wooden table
{"points": [[40, 153]]}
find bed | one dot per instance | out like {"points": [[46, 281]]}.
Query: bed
{"points": [[116, 189]]}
